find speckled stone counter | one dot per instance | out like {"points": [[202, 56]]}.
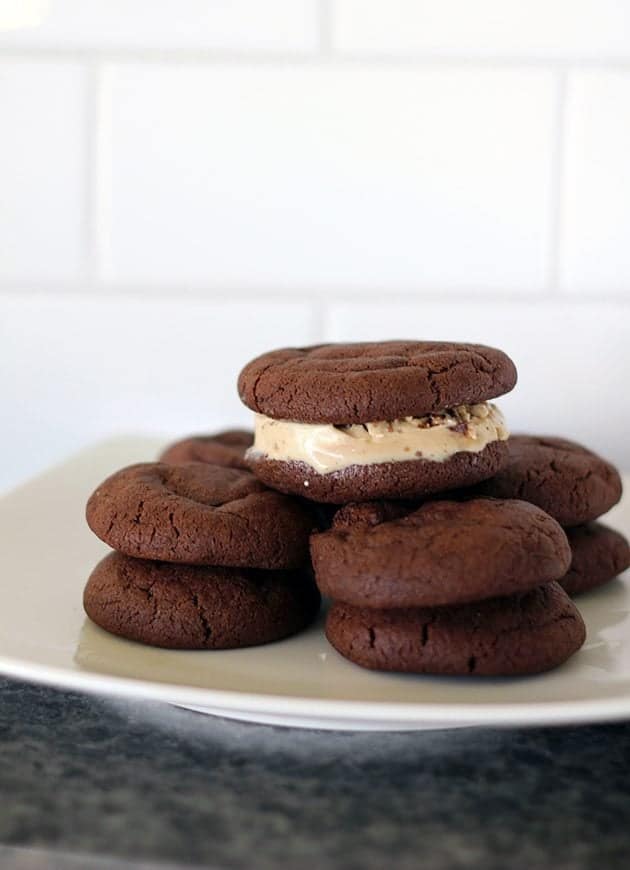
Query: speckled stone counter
{"points": [[148, 782]]}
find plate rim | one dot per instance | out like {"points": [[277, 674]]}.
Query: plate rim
{"points": [[325, 709]]}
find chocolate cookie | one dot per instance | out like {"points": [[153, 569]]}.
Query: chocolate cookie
{"points": [[568, 481], [370, 513], [599, 554], [381, 380], [199, 514], [524, 634], [193, 607], [414, 479], [225, 448], [228, 450], [444, 552]]}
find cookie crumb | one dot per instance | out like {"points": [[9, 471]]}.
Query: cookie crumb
{"points": [[461, 429]]}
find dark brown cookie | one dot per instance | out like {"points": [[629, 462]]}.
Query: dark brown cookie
{"points": [[225, 448], [370, 513], [396, 480], [568, 481], [381, 380], [524, 634], [444, 552], [194, 607], [599, 554], [199, 514]]}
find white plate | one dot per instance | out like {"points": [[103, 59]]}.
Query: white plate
{"points": [[47, 553]]}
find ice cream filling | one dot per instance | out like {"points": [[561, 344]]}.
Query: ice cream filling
{"points": [[326, 447]]}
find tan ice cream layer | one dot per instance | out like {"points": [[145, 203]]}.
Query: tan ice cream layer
{"points": [[326, 447]]}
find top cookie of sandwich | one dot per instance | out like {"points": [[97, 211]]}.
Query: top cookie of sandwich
{"points": [[366, 381]]}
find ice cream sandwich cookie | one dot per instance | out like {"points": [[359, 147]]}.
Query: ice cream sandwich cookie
{"points": [[395, 419]]}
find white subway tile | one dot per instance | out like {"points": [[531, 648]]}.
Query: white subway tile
{"points": [[484, 28], [279, 25], [326, 178], [572, 358], [87, 368], [595, 243], [42, 169]]}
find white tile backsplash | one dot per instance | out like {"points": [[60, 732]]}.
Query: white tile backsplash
{"points": [[324, 178], [230, 25], [484, 28], [42, 170], [572, 358], [185, 184], [89, 368], [595, 245]]}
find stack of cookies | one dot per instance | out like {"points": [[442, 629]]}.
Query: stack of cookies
{"points": [[419, 582], [206, 557], [443, 544], [451, 587], [575, 486]]}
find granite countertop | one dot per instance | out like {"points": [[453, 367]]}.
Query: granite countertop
{"points": [[151, 783]]}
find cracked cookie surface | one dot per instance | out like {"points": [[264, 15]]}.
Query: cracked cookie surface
{"points": [[444, 552], [199, 514], [568, 481], [599, 554], [223, 448], [368, 381], [196, 607], [522, 634]]}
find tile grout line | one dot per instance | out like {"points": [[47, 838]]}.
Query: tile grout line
{"points": [[325, 32], [271, 57], [557, 185], [98, 290]]}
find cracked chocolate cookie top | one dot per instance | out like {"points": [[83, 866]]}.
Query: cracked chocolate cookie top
{"points": [[568, 481], [199, 514], [223, 448], [197, 607], [444, 552], [523, 634], [363, 382]]}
